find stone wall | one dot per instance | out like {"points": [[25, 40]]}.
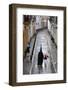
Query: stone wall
{"points": [[52, 27]]}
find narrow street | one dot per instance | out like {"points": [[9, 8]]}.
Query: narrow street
{"points": [[39, 31], [43, 39]]}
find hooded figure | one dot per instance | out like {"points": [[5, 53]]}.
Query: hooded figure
{"points": [[40, 57]]}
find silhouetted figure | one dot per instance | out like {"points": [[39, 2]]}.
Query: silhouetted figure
{"points": [[40, 57], [27, 51], [28, 48]]}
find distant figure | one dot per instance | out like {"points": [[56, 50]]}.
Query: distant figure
{"points": [[28, 48], [40, 57], [27, 51]]}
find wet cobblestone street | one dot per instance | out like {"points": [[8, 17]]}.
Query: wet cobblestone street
{"points": [[50, 65]]}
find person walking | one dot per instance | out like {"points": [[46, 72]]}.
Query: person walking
{"points": [[40, 57]]}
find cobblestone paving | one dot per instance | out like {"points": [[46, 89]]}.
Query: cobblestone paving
{"points": [[48, 48]]}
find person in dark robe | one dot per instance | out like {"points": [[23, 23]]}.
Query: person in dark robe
{"points": [[27, 49], [40, 57]]}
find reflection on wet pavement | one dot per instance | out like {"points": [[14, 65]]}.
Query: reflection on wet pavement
{"points": [[43, 39]]}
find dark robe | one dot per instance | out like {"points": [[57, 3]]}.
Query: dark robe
{"points": [[40, 58]]}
